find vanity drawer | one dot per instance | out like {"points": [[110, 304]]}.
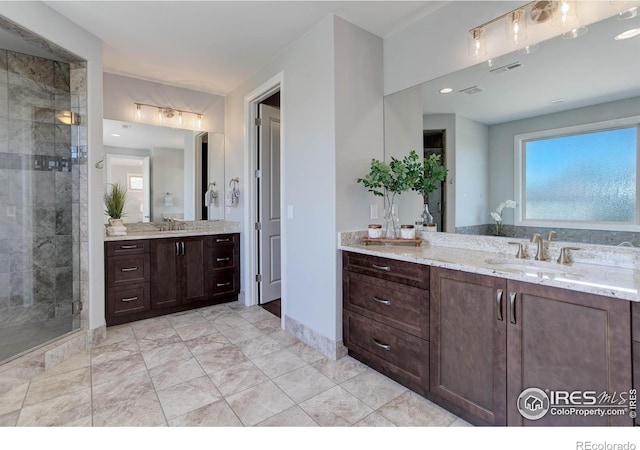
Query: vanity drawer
{"points": [[223, 256], [118, 248], [398, 305], [224, 239], [124, 300], [128, 269], [397, 354], [224, 282], [412, 274]]}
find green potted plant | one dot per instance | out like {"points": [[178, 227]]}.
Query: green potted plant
{"points": [[114, 201], [388, 180], [427, 176]]}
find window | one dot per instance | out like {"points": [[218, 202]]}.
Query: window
{"points": [[582, 177], [136, 182]]}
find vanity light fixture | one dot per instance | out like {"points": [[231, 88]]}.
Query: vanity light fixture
{"points": [[516, 27], [576, 32], [168, 116], [68, 118], [629, 13]]}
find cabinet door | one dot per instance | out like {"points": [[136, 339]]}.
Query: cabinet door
{"points": [[192, 270], [165, 269], [468, 344], [560, 340]]}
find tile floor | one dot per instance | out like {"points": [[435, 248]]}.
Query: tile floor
{"points": [[224, 365]]}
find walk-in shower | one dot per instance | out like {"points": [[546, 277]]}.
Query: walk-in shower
{"points": [[42, 102]]}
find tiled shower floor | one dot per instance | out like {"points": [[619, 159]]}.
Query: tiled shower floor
{"points": [[16, 339], [224, 365]]}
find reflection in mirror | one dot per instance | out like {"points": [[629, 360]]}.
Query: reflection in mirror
{"points": [[167, 171], [565, 84]]}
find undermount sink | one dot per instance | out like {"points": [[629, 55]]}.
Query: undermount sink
{"points": [[532, 268]]}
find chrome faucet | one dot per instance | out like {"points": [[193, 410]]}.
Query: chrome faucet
{"points": [[537, 239]]}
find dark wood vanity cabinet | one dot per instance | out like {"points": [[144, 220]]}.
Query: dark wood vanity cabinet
{"points": [[151, 277], [492, 338], [635, 332], [386, 317]]}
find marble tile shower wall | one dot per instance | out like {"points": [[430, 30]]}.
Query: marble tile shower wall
{"points": [[39, 198]]}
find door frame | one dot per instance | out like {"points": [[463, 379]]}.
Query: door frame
{"points": [[251, 102]]}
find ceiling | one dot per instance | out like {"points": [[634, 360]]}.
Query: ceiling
{"points": [[213, 46]]}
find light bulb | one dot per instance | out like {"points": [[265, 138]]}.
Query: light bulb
{"points": [[516, 27], [138, 111], [477, 47], [179, 117], [199, 121]]}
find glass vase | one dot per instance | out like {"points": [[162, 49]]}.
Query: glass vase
{"points": [[391, 222]]}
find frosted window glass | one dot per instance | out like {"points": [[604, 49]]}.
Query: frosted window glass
{"points": [[585, 177]]}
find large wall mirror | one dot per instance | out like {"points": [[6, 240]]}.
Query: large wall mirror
{"points": [[166, 171], [564, 84]]}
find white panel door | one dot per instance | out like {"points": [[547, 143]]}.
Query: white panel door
{"points": [[269, 203]]}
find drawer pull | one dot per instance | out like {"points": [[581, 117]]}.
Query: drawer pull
{"points": [[223, 240], [512, 307], [499, 303], [381, 345], [385, 268], [223, 284], [128, 269], [379, 300], [223, 259], [130, 299], [128, 247]]}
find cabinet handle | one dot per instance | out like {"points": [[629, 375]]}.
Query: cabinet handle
{"points": [[223, 240], [223, 259], [128, 269], [128, 247], [223, 284], [379, 300], [499, 303], [381, 345], [177, 248], [512, 307], [130, 299], [385, 268], [182, 247]]}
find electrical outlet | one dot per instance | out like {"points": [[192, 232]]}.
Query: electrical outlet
{"points": [[374, 211]]}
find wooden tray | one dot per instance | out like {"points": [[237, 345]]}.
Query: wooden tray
{"points": [[369, 241]]}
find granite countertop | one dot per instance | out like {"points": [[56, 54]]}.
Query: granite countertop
{"points": [[594, 274], [191, 228]]}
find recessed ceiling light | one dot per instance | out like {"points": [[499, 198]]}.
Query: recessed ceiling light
{"points": [[446, 90], [628, 34], [558, 100], [115, 135]]}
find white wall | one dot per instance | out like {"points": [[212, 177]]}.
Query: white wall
{"points": [[472, 173], [314, 153], [167, 175], [41, 19], [501, 141]]}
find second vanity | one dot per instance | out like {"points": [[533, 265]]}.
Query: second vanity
{"points": [[463, 322], [151, 272]]}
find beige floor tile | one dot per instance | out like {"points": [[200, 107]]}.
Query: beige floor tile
{"points": [[175, 372], [220, 359], [139, 411], [228, 320], [13, 396], [21, 373], [114, 351], [141, 327], [197, 330], [120, 389], [57, 411], [116, 368], [460, 423], [169, 353], [82, 422], [216, 313], [217, 414], [303, 383], [374, 420], [268, 326], [284, 337], [237, 378], [146, 345], [373, 388], [341, 370], [259, 403], [166, 332], [239, 333], [9, 419], [412, 410], [78, 361], [185, 397], [208, 343], [255, 314], [237, 306], [335, 407], [292, 417], [278, 363], [189, 318], [117, 334], [305, 353], [48, 387], [260, 346]]}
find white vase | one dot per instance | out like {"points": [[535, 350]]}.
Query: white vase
{"points": [[116, 227]]}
